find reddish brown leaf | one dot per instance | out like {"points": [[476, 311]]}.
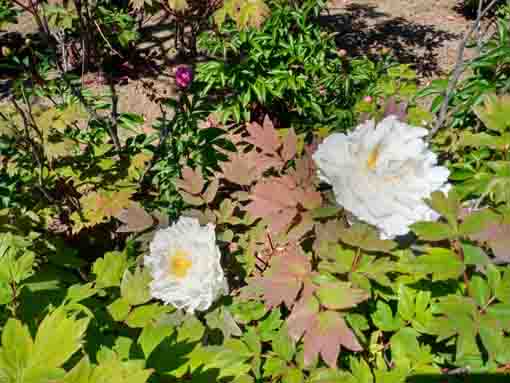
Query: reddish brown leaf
{"points": [[211, 190], [239, 171], [304, 226], [134, 218], [102, 205], [192, 180], [303, 314], [497, 236], [245, 168], [325, 334], [191, 199], [263, 137], [289, 148], [282, 282], [305, 171], [327, 233], [274, 200], [264, 162], [271, 196]]}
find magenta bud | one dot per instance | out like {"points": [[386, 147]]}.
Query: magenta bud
{"points": [[183, 76], [367, 99]]}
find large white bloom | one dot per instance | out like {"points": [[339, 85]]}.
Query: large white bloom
{"points": [[382, 174], [184, 261]]}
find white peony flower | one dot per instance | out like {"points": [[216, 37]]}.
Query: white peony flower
{"points": [[382, 174], [185, 265]]}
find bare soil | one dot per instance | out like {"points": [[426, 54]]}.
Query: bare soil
{"points": [[424, 33]]}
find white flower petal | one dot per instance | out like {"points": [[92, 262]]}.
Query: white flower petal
{"points": [[184, 262], [382, 174]]}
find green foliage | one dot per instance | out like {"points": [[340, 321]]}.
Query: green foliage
{"points": [[245, 13], [58, 337], [289, 68], [315, 295], [8, 13]]}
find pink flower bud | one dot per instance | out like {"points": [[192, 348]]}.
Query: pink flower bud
{"points": [[183, 76], [367, 99], [342, 53], [233, 247]]}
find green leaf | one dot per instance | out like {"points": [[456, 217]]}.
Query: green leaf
{"points": [[325, 212], [274, 367], [446, 205], [78, 292], [479, 290], [406, 305], [192, 330], [442, 263], [142, 316], [231, 358], [493, 277], [422, 301], [404, 346], [383, 317], [340, 295], [109, 269], [339, 259], [268, 326], [122, 347], [119, 309], [396, 375], [361, 370], [494, 113], [134, 288], [432, 231], [492, 339], [5, 293], [80, 373], [329, 375], [468, 352], [17, 346], [283, 344], [222, 319], [365, 237], [478, 221], [503, 289], [152, 335], [244, 379], [112, 369], [58, 337], [293, 375], [473, 255]]}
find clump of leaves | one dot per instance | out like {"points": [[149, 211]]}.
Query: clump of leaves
{"points": [[8, 13], [289, 68]]}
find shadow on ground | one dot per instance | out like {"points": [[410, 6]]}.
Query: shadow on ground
{"points": [[469, 9], [362, 27]]}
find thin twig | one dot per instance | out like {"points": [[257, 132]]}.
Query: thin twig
{"points": [[112, 128], [35, 150], [459, 66], [458, 371], [478, 29], [106, 41]]}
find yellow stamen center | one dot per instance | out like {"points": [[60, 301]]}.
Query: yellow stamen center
{"points": [[179, 263], [372, 158]]}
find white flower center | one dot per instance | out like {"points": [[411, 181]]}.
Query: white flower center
{"points": [[179, 263]]}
